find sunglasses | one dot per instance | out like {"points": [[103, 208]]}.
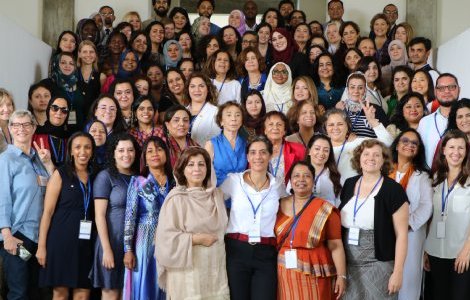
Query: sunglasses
{"points": [[56, 108], [406, 141]]}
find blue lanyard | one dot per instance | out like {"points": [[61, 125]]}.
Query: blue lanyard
{"points": [[278, 161], [195, 117], [446, 197], [296, 218], [59, 159], [435, 124], [220, 89], [86, 194], [341, 151], [280, 109], [356, 209], [254, 209], [316, 181]]}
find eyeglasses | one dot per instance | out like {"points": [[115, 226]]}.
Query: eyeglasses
{"points": [[56, 108], [107, 14], [283, 72], [407, 142], [450, 87], [27, 125]]}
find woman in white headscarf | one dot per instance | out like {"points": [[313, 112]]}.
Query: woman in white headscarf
{"points": [[278, 88]]}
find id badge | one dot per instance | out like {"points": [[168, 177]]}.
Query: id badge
{"points": [[72, 117], [353, 237], [42, 180], [85, 230], [254, 235], [441, 230], [291, 258]]}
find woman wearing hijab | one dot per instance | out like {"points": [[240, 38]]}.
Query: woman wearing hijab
{"points": [[129, 66], [201, 27], [398, 57], [237, 20], [278, 88], [88, 30], [172, 54], [286, 50]]}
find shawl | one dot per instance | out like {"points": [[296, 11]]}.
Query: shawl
{"points": [[66, 82], [403, 60], [242, 27], [121, 73], [187, 211], [284, 56], [277, 94], [351, 105], [406, 178], [168, 62]]}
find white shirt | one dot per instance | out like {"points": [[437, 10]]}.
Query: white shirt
{"points": [[241, 212], [457, 223], [204, 127], [431, 128], [228, 91], [364, 216], [323, 188]]}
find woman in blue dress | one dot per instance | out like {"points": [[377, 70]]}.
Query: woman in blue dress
{"points": [[227, 150], [110, 196], [144, 200]]}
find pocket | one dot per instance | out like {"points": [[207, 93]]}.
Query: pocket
{"points": [[461, 204]]}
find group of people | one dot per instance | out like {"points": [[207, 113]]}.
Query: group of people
{"points": [[290, 160]]}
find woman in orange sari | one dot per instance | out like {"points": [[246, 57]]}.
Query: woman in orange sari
{"points": [[311, 262]]}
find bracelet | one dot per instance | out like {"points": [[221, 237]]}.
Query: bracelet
{"points": [[342, 276]]}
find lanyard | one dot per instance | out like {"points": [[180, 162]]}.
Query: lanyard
{"points": [[445, 198], [435, 125], [140, 134], [281, 107], [195, 117], [86, 194], [297, 217], [71, 96], [318, 177], [373, 94], [59, 159], [302, 140], [356, 209], [253, 208], [278, 161], [341, 151], [223, 82]]}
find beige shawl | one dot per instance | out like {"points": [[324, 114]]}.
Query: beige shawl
{"points": [[184, 212]]}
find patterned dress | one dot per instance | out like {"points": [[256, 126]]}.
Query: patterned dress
{"points": [[144, 201]]}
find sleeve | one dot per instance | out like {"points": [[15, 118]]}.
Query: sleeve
{"points": [[130, 219], [345, 193], [238, 91], [333, 226], [226, 187], [396, 196], [6, 201], [102, 186], [421, 214], [383, 135]]}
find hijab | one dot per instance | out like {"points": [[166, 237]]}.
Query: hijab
{"points": [[284, 56], [82, 24], [121, 73], [66, 82], [403, 60], [168, 62], [350, 105], [278, 94], [48, 128], [242, 28]]}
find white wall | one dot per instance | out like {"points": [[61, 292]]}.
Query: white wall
{"points": [[84, 8], [22, 63], [25, 13], [452, 19]]}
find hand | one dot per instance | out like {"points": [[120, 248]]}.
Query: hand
{"points": [[426, 263], [322, 109], [462, 261], [369, 112], [340, 287], [204, 239], [41, 256], [10, 244], [129, 260], [395, 282], [43, 153], [108, 259], [340, 105]]}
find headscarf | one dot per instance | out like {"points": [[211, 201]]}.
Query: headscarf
{"points": [[100, 151], [350, 105], [286, 55], [82, 24], [66, 82], [242, 28], [195, 27], [48, 128], [184, 212], [168, 62], [404, 58], [278, 96], [121, 73]]}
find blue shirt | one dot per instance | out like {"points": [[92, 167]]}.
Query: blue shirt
{"points": [[214, 29], [21, 197]]}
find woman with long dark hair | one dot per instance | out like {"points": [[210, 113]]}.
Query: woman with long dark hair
{"points": [[254, 111]]}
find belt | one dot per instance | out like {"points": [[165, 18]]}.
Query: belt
{"points": [[271, 241]]}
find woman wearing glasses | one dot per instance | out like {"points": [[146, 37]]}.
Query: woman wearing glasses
{"points": [[106, 109], [278, 88]]}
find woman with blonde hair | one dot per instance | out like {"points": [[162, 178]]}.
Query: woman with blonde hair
{"points": [[404, 33], [134, 19], [303, 88], [7, 107]]}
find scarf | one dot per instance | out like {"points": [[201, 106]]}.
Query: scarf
{"points": [[403, 61], [79, 30], [66, 82], [405, 178], [48, 128], [168, 62], [284, 56], [121, 73], [241, 28], [278, 94]]}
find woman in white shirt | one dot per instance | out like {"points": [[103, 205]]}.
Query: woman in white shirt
{"points": [[250, 239], [221, 70], [447, 245]]}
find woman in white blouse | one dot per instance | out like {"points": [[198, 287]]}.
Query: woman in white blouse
{"points": [[411, 171], [221, 70], [203, 107], [338, 128], [447, 245], [250, 239]]}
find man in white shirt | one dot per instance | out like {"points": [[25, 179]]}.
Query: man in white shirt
{"points": [[432, 127], [250, 9]]}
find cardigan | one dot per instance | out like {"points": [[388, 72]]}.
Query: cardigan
{"points": [[388, 200]]}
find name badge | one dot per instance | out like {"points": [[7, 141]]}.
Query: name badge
{"points": [[353, 237], [441, 230], [291, 258], [254, 235], [85, 230], [72, 118], [42, 180]]}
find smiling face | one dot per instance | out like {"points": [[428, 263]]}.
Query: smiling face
{"points": [[251, 62], [408, 146], [187, 67], [263, 35], [371, 160], [155, 156], [325, 67], [419, 84], [396, 52], [301, 91], [135, 22], [157, 33], [57, 115], [124, 155], [279, 41], [454, 152], [198, 90], [413, 111], [169, 31], [129, 63], [116, 44], [462, 120], [232, 118], [234, 19], [302, 34], [350, 36], [89, 32], [258, 156], [319, 152], [87, 55], [6, 108], [173, 52], [253, 105], [178, 126], [367, 47], [66, 65], [140, 44], [22, 130], [313, 54], [332, 33], [195, 171], [307, 118], [302, 180], [204, 27], [400, 34], [67, 43], [145, 112], [372, 73], [124, 95], [274, 128], [336, 128], [106, 112], [222, 63], [175, 82], [356, 89], [180, 21], [401, 82], [280, 74], [98, 132], [185, 42], [380, 27], [81, 151]]}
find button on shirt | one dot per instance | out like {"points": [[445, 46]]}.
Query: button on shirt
{"points": [[21, 197], [241, 212]]}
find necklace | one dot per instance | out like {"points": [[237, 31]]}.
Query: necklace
{"points": [[255, 186], [161, 180], [254, 85]]}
